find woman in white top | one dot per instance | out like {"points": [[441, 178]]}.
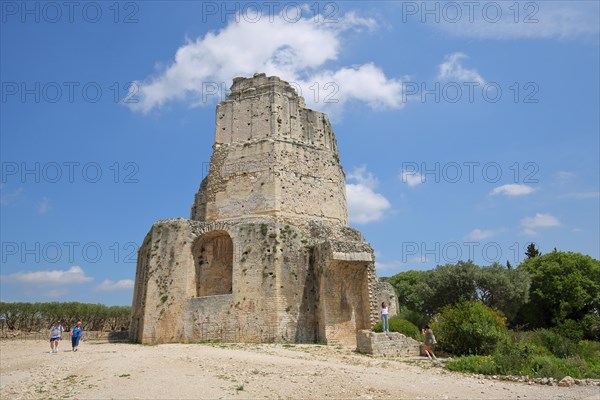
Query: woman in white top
{"points": [[384, 317]]}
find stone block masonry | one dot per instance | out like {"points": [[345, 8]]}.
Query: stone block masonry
{"points": [[267, 254], [392, 344]]}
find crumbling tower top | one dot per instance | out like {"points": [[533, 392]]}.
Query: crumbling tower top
{"points": [[262, 107], [271, 156]]}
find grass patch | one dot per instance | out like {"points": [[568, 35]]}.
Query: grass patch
{"points": [[476, 364], [70, 378]]}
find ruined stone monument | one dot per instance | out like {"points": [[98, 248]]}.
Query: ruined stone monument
{"points": [[267, 254]]}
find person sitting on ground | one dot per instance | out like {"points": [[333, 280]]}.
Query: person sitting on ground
{"points": [[429, 341]]}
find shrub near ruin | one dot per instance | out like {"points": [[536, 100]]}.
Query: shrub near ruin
{"points": [[400, 325], [469, 327]]}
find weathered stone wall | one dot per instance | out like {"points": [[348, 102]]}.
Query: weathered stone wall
{"points": [[384, 291], [213, 259], [283, 287], [165, 277], [392, 344], [271, 157], [267, 254], [267, 107]]}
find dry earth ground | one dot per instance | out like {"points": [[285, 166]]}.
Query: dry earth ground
{"points": [[240, 371]]}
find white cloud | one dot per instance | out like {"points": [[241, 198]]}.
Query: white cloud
{"points": [[43, 206], [530, 20], [513, 189], [293, 51], [108, 285], [364, 204], [411, 178], [531, 224], [6, 199], [366, 83], [452, 70], [73, 275], [479, 234]]}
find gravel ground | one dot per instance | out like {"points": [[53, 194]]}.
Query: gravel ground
{"points": [[241, 371]]}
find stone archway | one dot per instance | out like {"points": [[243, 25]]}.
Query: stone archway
{"points": [[213, 261]]}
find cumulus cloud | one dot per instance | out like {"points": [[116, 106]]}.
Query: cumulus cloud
{"points": [[530, 20], [364, 204], [480, 234], [513, 189], [108, 285], [411, 178], [296, 52], [366, 83], [73, 275], [452, 70], [530, 225]]}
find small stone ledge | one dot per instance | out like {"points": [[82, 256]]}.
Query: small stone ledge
{"points": [[352, 256], [390, 344]]}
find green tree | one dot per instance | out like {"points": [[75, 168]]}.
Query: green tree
{"points": [[469, 327], [448, 284], [35, 317], [564, 286], [423, 293], [502, 288], [532, 251], [405, 284]]}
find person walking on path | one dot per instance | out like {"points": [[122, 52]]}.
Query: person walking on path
{"points": [[429, 341], [384, 317], [76, 332], [55, 334]]}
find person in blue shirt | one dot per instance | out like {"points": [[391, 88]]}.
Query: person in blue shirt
{"points": [[76, 332]]}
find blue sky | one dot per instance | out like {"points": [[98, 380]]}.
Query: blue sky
{"points": [[466, 130]]}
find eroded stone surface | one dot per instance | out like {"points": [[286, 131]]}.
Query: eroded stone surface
{"points": [[267, 254], [389, 344], [384, 292]]}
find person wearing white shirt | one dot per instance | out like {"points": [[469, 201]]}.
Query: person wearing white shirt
{"points": [[384, 317]]}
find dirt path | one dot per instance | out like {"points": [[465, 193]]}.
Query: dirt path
{"points": [[266, 371]]}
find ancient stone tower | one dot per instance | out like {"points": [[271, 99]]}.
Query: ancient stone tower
{"points": [[267, 254]]}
